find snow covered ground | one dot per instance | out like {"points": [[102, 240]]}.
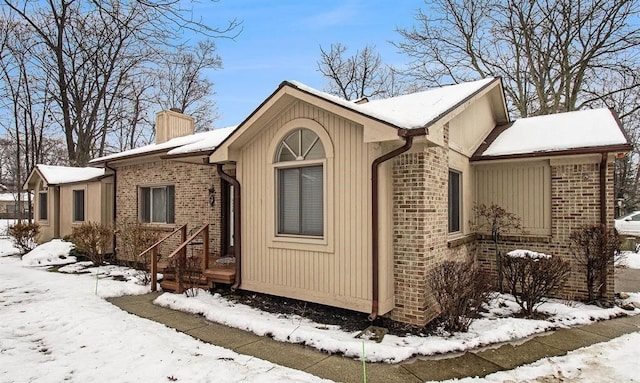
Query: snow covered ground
{"points": [[613, 361], [629, 259], [57, 327], [498, 325]]}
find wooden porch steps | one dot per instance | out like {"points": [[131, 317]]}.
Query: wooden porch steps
{"points": [[221, 275], [215, 274]]}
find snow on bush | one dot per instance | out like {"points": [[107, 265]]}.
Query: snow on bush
{"points": [[528, 254], [55, 252]]}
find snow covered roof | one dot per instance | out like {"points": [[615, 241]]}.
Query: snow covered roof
{"points": [[411, 111], [56, 175], [207, 141], [12, 197], [192, 143], [554, 133]]}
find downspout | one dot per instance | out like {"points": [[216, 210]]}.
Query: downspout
{"points": [[408, 142], [603, 190], [603, 216], [113, 217], [237, 241]]}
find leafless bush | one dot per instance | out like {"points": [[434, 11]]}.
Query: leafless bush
{"points": [[532, 276], [188, 270], [24, 235], [460, 288], [498, 221], [133, 239], [594, 248], [92, 239]]}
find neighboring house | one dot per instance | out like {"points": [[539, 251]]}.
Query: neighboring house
{"points": [[67, 196], [353, 204], [170, 182], [14, 205]]}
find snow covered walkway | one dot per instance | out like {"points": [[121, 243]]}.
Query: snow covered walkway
{"points": [[476, 363]]}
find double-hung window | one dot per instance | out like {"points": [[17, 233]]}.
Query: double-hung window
{"points": [[455, 181], [157, 204], [300, 184], [78, 206]]}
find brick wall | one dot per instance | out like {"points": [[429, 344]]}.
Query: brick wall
{"points": [[575, 201], [192, 183], [420, 181]]}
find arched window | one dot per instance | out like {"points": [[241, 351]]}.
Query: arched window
{"points": [[300, 180]]}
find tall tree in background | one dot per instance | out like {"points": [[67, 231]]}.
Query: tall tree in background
{"points": [[182, 85], [553, 56], [90, 52], [358, 76]]}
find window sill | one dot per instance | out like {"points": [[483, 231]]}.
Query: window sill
{"points": [[301, 243], [541, 238], [160, 226], [459, 239]]}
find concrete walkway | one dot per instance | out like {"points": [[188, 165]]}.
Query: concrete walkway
{"points": [[627, 280], [341, 369]]}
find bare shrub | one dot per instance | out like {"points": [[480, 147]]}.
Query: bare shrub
{"points": [[594, 248], [133, 239], [498, 221], [532, 276], [460, 288], [24, 235], [188, 270], [92, 239]]}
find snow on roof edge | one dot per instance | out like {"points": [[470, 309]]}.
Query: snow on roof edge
{"points": [[559, 132]]}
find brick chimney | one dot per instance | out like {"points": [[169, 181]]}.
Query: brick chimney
{"points": [[171, 124]]}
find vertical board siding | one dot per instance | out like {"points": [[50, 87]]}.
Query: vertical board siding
{"points": [[522, 189], [343, 273]]}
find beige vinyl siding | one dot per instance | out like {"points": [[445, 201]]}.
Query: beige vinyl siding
{"points": [[522, 188], [334, 269], [470, 128]]}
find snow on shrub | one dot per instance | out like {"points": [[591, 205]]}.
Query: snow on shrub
{"points": [[532, 276], [527, 254], [55, 252]]}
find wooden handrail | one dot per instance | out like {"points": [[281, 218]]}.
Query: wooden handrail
{"points": [[154, 254], [205, 241], [183, 227], [182, 251]]}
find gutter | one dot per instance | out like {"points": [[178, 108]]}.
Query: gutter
{"points": [[237, 242], [408, 135]]}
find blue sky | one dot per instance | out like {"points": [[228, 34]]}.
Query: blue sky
{"points": [[281, 41]]}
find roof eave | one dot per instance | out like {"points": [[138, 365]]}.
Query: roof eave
{"points": [[566, 152], [99, 161]]}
